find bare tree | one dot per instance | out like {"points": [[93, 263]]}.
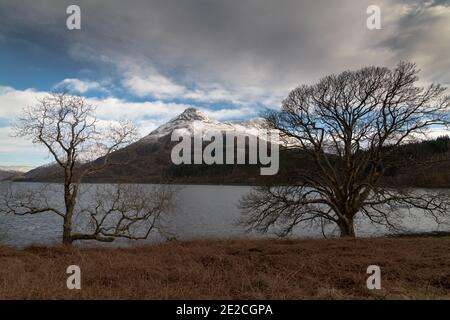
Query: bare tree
{"points": [[67, 127], [346, 124], [125, 211]]}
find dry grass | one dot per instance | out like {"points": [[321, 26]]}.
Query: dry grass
{"points": [[415, 268]]}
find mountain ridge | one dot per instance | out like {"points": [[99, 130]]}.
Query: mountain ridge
{"points": [[423, 164], [150, 155], [193, 117]]}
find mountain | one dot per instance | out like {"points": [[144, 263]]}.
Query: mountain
{"points": [[22, 169], [148, 160], [422, 164], [5, 175], [192, 118], [9, 174], [12, 172], [40, 173]]}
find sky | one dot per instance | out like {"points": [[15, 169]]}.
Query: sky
{"points": [[149, 60]]}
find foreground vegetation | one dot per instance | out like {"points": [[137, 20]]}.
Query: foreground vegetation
{"points": [[412, 268]]}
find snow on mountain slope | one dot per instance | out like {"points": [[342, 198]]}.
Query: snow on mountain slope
{"points": [[16, 168], [192, 118], [188, 120]]}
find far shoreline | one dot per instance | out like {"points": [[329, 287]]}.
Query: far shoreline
{"points": [[173, 183]]}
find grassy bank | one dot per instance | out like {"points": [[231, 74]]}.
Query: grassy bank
{"points": [[414, 268]]}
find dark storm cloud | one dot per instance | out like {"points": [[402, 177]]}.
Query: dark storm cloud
{"points": [[440, 3], [252, 48], [422, 34]]}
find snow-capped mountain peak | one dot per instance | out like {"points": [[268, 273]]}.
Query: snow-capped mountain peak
{"points": [[192, 114], [193, 118], [22, 169]]}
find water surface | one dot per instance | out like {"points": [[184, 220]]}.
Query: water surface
{"points": [[201, 211]]}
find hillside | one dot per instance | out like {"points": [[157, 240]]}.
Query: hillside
{"points": [[421, 164], [9, 173], [4, 175], [148, 160]]}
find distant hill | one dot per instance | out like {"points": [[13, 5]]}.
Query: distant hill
{"points": [[422, 164], [12, 172], [7, 175], [22, 169]]}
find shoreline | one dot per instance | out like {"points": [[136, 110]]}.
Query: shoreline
{"points": [[174, 183]]}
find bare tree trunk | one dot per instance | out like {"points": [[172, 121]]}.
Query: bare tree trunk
{"points": [[346, 228], [69, 199], [67, 232]]}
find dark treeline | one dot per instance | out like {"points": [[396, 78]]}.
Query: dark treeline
{"points": [[420, 164]]}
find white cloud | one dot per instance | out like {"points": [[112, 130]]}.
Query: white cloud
{"points": [[19, 151], [112, 108], [152, 85], [144, 81], [233, 114], [77, 85], [147, 116], [11, 144], [13, 101]]}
